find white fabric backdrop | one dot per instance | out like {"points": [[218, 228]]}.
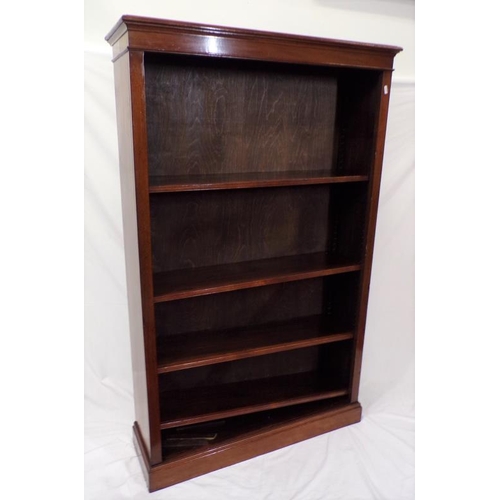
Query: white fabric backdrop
{"points": [[371, 460]]}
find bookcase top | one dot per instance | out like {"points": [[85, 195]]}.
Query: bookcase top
{"points": [[168, 36]]}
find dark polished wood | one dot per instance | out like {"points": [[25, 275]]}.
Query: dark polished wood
{"points": [[229, 227], [179, 352], [184, 440], [176, 37], [359, 93], [330, 361], [210, 182], [141, 450], [381, 106], [191, 406], [255, 384], [130, 97], [250, 169], [242, 308], [186, 283], [127, 184], [298, 426], [199, 321], [243, 117], [139, 130]]}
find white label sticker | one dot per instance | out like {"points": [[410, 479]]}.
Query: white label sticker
{"points": [[386, 89]]}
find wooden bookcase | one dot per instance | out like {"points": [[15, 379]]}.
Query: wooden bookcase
{"points": [[250, 171]]}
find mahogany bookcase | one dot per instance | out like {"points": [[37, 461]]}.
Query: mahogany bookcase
{"points": [[250, 170]]}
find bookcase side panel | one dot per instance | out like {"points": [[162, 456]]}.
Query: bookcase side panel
{"points": [[145, 397], [380, 101]]}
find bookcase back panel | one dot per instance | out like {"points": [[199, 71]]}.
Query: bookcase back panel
{"points": [[359, 95], [340, 300], [209, 116], [346, 222], [197, 229], [274, 365], [334, 364], [220, 227], [254, 306]]}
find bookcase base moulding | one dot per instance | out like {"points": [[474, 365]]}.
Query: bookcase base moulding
{"points": [[250, 166]]}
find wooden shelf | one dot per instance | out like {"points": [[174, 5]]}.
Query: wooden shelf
{"points": [[176, 183], [180, 352], [193, 282], [203, 404], [221, 433]]}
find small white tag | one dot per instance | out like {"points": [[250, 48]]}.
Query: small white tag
{"points": [[386, 89]]}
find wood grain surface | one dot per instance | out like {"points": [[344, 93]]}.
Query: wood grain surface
{"points": [[215, 402], [217, 117], [193, 282], [247, 307], [169, 36], [195, 349], [225, 227], [210, 182]]}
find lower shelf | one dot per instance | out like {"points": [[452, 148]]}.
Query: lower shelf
{"points": [[203, 404], [242, 180], [241, 441]]}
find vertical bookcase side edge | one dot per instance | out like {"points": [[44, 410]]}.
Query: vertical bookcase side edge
{"points": [[130, 104], [371, 222]]}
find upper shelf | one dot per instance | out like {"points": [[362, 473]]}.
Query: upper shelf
{"points": [[193, 282], [169, 184]]}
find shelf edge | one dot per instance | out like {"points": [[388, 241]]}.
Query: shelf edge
{"points": [[252, 184], [207, 417], [253, 352], [258, 282]]}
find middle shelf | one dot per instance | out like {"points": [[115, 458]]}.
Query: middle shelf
{"points": [[194, 282], [180, 352], [244, 180], [211, 242]]}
